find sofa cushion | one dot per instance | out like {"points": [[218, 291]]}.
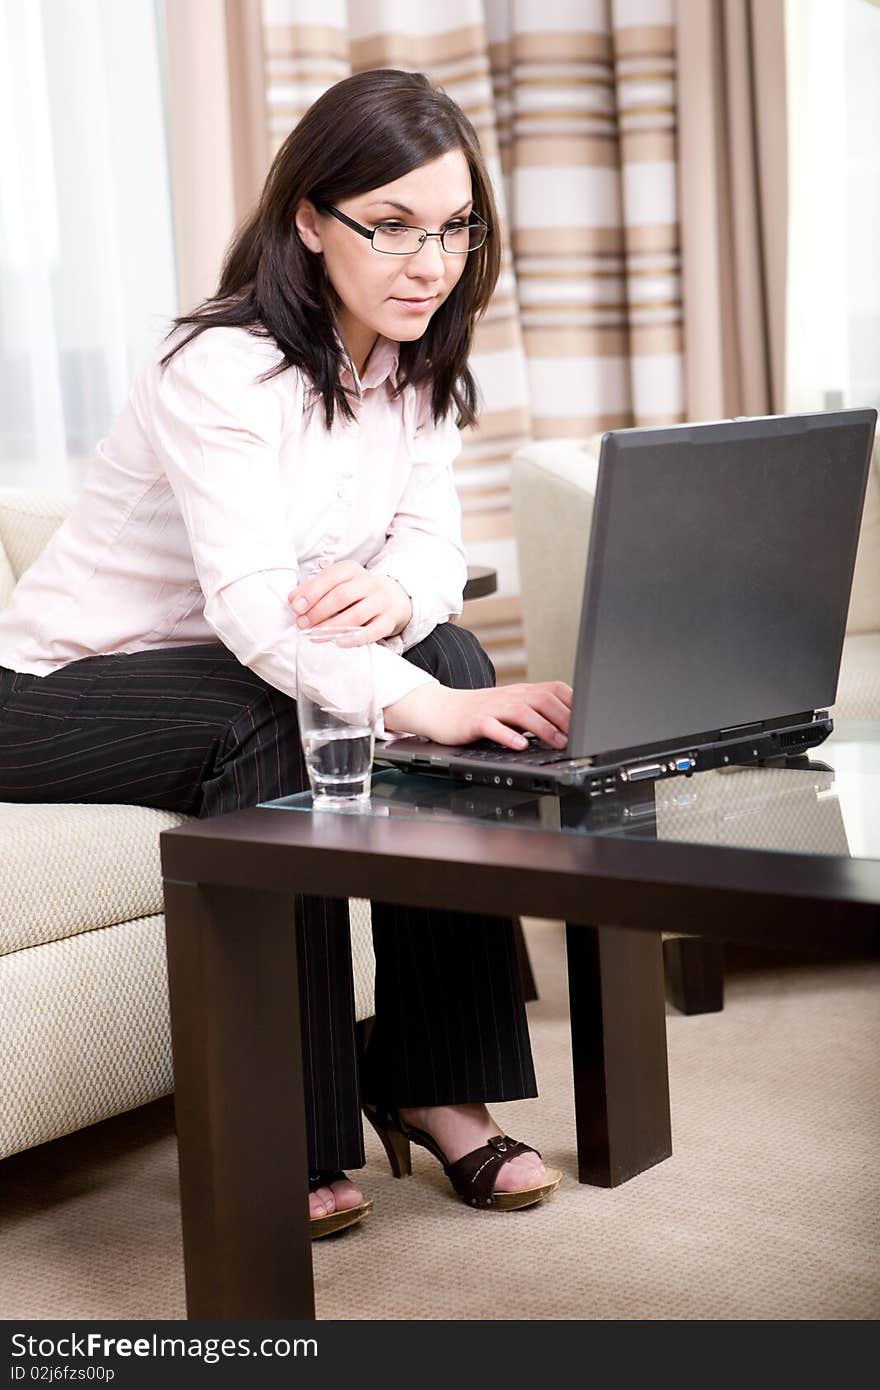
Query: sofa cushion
{"points": [[83, 1031], [74, 868], [71, 868]]}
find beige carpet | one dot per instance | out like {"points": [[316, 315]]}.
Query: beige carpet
{"points": [[769, 1208]]}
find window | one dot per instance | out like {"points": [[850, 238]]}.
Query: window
{"points": [[833, 315], [87, 276]]}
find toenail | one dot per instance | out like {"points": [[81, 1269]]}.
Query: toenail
{"points": [[320, 1210]]}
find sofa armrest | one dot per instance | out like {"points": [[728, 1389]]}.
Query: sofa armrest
{"points": [[864, 608], [27, 520], [552, 487], [7, 577]]}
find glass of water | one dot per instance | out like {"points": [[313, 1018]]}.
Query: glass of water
{"points": [[336, 708]]}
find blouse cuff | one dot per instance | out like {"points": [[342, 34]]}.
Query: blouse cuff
{"points": [[394, 677], [427, 611]]}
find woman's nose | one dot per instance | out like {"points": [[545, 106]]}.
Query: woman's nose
{"points": [[429, 263]]}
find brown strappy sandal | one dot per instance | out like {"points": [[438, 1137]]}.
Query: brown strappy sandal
{"points": [[473, 1176], [335, 1220]]}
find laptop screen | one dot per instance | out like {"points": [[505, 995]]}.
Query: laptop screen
{"points": [[718, 576]]}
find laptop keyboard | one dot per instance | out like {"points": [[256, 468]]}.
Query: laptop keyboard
{"points": [[484, 750]]}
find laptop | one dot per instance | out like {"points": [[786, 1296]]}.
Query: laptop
{"points": [[717, 587]]}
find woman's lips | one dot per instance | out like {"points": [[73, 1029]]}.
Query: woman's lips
{"points": [[414, 306]]}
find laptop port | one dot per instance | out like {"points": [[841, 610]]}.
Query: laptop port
{"points": [[641, 772]]}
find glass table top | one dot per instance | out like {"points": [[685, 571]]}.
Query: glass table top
{"points": [[827, 803]]}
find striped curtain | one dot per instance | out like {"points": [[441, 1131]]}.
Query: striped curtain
{"points": [[574, 105]]}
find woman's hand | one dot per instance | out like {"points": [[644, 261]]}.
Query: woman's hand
{"points": [[497, 713], [347, 595]]}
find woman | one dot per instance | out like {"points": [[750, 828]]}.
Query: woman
{"points": [[285, 462]]}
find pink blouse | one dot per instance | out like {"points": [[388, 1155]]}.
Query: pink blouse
{"points": [[215, 494]]}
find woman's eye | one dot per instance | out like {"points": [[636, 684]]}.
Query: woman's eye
{"points": [[455, 226], [391, 227]]}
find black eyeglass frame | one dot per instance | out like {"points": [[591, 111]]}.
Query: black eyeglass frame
{"points": [[474, 220]]}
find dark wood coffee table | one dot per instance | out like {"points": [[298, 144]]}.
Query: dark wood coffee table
{"points": [[234, 1003]]}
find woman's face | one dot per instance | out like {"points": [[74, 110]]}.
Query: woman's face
{"points": [[391, 295]]}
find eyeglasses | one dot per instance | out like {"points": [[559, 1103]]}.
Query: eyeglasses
{"points": [[396, 239]]}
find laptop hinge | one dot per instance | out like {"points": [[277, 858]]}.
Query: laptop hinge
{"points": [[742, 730]]}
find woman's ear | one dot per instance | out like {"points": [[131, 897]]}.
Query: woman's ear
{"points": [[306, 219]]}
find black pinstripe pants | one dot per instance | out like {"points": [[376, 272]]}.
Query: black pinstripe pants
{"points": [[190, 729]]}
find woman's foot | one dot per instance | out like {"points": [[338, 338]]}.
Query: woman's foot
{"points": [[459, 1129], [336, 1196]]}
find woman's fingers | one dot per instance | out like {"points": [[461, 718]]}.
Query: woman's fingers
{"points": [[356, 615], [368, 616], [532, 722], [500, 733], [560, 719], [371, 631], [535, 709], [354, 596], [339, 599], [554, 712], [380, 627], [498, 714], [311, 591], [544, 715], [550, 695], [547, 732]]}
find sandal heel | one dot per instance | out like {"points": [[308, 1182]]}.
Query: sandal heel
{"points": [[398, 1151], [395, 1144]]}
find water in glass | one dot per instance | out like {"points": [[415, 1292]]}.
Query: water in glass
{"points": [[336, 711]]}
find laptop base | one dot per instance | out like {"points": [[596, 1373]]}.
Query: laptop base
{"points": [[606, 774]]}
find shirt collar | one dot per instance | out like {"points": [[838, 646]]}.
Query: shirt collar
{"points": [[381, 364]]}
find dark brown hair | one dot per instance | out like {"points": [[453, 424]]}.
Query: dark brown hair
{"points": [[362, 133]]}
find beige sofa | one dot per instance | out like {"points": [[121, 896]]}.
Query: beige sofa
{"points": [[84, 1020], [552, 485]]}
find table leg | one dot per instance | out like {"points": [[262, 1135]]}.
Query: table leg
{"points": [[694, 974], [618, 1039], [235, 1030]]}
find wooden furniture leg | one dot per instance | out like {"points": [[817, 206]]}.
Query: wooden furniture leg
{"points": [[235, 1030], [694, 974], [618, 1040]]}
